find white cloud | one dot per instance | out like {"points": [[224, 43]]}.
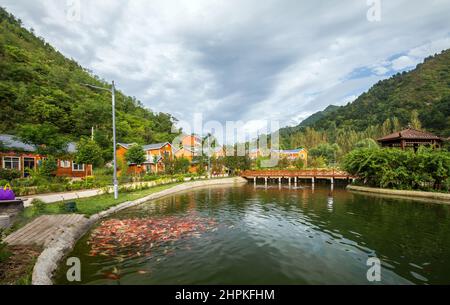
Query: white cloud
{"points": [[403, 62], [241, 60]]}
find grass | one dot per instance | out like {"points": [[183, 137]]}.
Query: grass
{"points": [[16, 265], [86, 206]]}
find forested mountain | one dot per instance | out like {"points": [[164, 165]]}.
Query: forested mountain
{"points": [[41, 89], [287, 132], [318, 116], [420, 96]]}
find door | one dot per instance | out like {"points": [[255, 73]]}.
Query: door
{"points": [[28, 164]]}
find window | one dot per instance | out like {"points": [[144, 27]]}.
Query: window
{"points": [[11, 163], [77, 167], [64, 164], [29, 163]]}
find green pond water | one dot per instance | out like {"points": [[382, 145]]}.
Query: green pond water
{"points": [[247, 235]]}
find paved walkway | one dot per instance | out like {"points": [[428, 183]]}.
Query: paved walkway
{"points": [[57, 197], [52, 198], [43, 230]]}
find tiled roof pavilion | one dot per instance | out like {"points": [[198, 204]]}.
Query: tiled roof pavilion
{"points": [[410, 137]]}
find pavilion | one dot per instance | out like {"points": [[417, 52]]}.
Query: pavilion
{"points": [[411, 138]]}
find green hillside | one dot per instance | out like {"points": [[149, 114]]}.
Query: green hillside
{"points": [[390, 104], [42, 89], [318, 116], [425, 89], [290, 131]]}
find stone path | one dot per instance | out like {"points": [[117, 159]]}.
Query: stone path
{"points": [[43, 230]]}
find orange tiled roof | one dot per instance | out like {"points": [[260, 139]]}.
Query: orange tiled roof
{"points": [[410, 133]]}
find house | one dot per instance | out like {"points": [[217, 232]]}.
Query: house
{"points": [[256, 153], [188, 147], [156, 153], [294, 154], [191, 141], [16, 155], [411, 138]]}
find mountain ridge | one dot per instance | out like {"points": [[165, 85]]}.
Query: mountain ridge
{"points": [[425, 89]]}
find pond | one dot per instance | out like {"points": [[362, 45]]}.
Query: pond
{"points": [[247, 235]]}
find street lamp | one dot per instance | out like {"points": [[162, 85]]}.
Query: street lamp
{"points": [[209, 155], [113, 93]]}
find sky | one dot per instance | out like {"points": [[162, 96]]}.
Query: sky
{"points": [[241, 60]]}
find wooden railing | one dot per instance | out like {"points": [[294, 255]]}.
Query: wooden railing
{"points": [[337, 174]]}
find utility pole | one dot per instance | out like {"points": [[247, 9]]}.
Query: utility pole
{"points": [[209, 155], [113, 93], [116, 182]]}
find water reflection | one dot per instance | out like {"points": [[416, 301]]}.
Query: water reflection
{"points": [[305, 235]]}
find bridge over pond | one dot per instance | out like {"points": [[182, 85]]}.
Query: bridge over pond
{"points": [[294, 175]]}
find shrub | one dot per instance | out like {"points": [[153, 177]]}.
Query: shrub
{"points": [[299, 164], [48, 167], [150, 177], [398, 169], [4, 253], [39, 207], [9, 174], [318, 162], [181, 165]]}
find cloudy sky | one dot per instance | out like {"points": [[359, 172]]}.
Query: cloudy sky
{"points": [[241, 59]]}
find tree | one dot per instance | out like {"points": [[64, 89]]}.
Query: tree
{"points": [[45, 138], [237, 163], [399, 169], [135, 155], [283, 163], [181, 165], [40, 89], [169, 165], [299, 164], [415, 121], [366, 143], [386, 128], [88, 152], [326, 151], [396, 126], [201, 164], [318, 162], [217, 165], [48, 167]]}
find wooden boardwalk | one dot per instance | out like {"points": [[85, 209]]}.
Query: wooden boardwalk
{"points": [[301, 174], [42, 230]]}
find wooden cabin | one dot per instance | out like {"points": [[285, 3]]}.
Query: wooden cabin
{"points": [[16, 155], [411, 139]]}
